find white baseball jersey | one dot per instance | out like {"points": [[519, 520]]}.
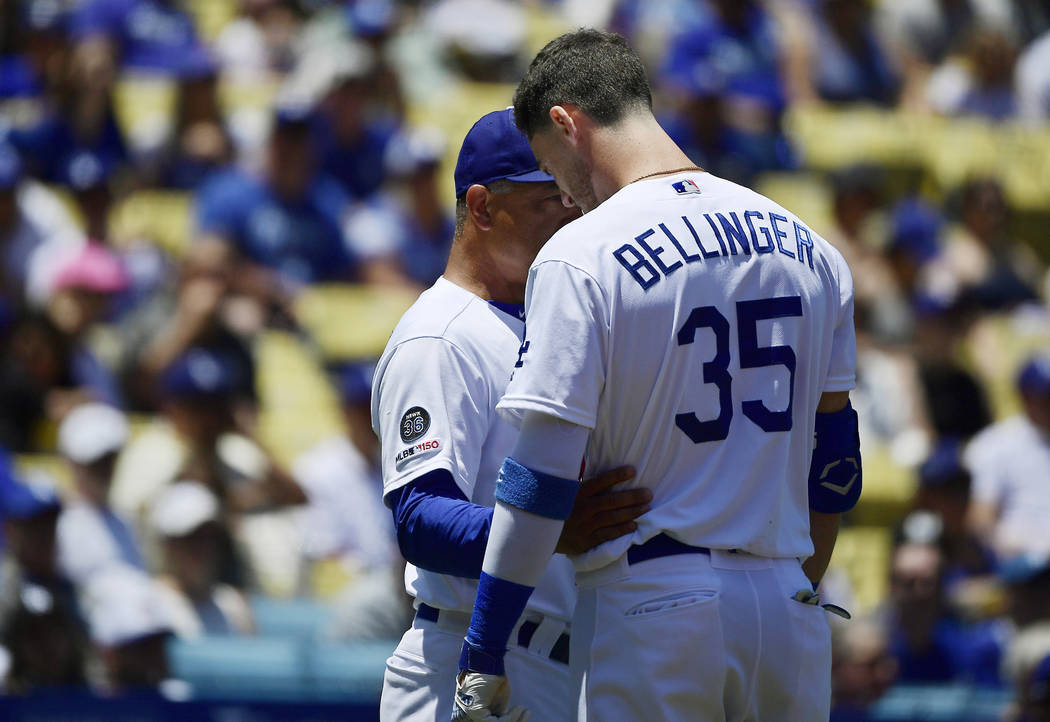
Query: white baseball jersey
{"points": [[692, 324], [1010, 464], [434, 407]]}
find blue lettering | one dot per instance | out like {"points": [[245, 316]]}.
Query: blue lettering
{"points": [[636, 266], [718, 236], [805, 243], [734, 231], [780, 235], [768, 247], [688, 257], [696, 237], [654, 253]]}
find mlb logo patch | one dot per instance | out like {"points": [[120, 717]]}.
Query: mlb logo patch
{"points": [[685, 186]]}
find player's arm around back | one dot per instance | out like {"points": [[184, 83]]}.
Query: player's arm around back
{"points": [[835, 477]]}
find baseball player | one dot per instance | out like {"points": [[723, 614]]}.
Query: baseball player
{"points": [[433, 407], [705, 335]]}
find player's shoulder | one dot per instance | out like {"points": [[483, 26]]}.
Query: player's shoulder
{"points": [[999, 438], [451, 316]]}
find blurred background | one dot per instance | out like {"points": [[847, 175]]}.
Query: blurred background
{"points": [[212, 213]]}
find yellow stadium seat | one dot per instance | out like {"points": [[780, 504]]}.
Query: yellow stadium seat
{"points": [[863, 554], [351, 322], [164, 217], [211, 16], [52, 465], [298, 406]]}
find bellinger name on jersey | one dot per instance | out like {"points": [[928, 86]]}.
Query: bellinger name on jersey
{"points": [[731, 234]]}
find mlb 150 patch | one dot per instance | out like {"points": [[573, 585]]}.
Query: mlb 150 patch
{"points": [[420, 449], [414, 423]]}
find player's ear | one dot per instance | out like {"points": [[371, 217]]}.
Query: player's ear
{"points": [[478, 206], [564, 124]]}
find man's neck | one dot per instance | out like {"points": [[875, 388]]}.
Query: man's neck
{"points": [[479, 274], [635, 148]]}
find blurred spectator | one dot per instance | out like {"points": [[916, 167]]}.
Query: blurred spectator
{"points": [[991, 95], [345, 517], [862, 669], [130, 629], [33, 59], [152, 36], [944, 490], [1032, 80], [351, 132], [76, 115], [83, 291], [280, 231], [482, 39], [206, 436], [929, 644], [375, 23], [198, 402], [261, 41], [843, 59], [47, 366], [956, 403], [30, 513], [91, 535], [407, 223], [999, 272], [87, 176], [727, 93], [913, 243], [926, 33], [194, 309], [199, 143], [45, 644], [1010, 464], [35, 229], [186, 519], [858, 208]]}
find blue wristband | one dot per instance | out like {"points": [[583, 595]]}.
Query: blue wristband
{"points": [[535, 492], [498, 607]]}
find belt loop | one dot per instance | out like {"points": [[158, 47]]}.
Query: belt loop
{"points": [[546, 636]]}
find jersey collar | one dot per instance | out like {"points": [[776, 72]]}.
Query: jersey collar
{"points": [[517, 310]]}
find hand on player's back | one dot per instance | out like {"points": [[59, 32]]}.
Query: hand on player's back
{"points": [[601, 514]]}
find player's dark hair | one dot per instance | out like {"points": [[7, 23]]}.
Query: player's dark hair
{"points": [[596, 71]]}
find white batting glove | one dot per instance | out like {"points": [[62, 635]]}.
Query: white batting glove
{"points": [[484, 698]]}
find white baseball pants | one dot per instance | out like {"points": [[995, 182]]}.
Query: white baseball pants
{"points": [[700, 638]]}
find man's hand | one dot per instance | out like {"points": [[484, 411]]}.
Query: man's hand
{"points": [[599, 514], [484, 698]]}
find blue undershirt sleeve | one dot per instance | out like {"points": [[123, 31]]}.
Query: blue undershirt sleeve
{"points": [[438, 529]]}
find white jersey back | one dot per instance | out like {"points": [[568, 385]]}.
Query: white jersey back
{"points": [[434, 407], [692, 324]]}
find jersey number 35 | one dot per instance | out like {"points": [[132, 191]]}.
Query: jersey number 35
{"points": [[716, 371]]}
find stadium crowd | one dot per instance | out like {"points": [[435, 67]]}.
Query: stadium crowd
{"points": [[141, 494]]}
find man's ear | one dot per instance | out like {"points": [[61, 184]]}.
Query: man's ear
{"points": [[565, 123], [478, 206]]}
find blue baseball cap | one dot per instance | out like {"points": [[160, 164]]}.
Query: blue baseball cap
{"points": [[355, 382], [198, 373], [1034, 377], [84, 170], [25, 500], [493, 150], [915, 229], [944, 465]]}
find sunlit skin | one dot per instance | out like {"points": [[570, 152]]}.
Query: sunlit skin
{"points": [[591, 162], [504, 233]]}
